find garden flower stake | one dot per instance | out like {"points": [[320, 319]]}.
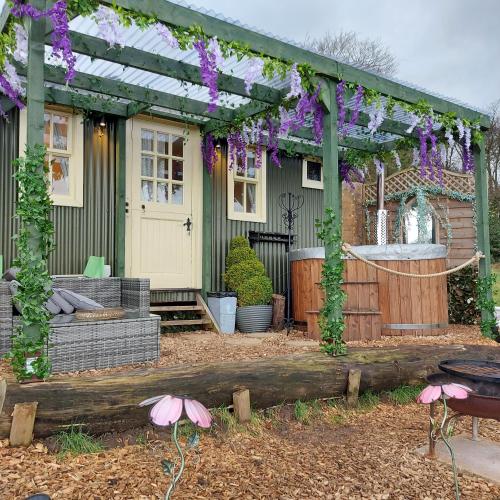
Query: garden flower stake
{"points": [[167, 410], [430, 395]]}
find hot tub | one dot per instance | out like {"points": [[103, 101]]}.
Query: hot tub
{"points": [[407, 306]]}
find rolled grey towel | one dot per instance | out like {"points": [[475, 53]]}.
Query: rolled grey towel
{"points": [[78, 301], [52, 306], [63, 304]]}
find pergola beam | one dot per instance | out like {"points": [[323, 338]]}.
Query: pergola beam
{"points": [[4, 16], [172, 13], [131, 92], [154, 63]]}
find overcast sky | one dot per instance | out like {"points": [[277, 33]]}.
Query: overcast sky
{"points": [[451, 47]]}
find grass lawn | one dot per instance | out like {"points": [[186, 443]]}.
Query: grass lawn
{"points": [[496, 286]]}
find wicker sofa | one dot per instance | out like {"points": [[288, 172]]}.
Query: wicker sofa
{"points": [[82, 345]]}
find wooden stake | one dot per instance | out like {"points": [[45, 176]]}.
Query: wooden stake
{"points": [[3, 392], [241, 405], [23, 421], [353, 382]]}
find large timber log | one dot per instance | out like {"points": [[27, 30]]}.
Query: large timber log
{"points": [[109, 403]]}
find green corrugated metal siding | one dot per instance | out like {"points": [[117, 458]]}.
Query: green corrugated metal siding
{"points": [[79, 232], [279, 180]]}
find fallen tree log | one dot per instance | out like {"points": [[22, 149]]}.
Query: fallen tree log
{"points": [[109, 403]]}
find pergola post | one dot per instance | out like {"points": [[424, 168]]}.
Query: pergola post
{"points": [[35, 112], [207, 232], [482, 222], [332, 194], [120, 194]]}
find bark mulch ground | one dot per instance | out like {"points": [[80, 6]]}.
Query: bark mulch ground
{"points": [[339, 454]]}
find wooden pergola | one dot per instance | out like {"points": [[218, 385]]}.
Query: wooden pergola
{"points": [[124, 100]]}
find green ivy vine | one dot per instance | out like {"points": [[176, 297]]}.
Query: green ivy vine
{"points": [[34, 244], [331, 320], [486, 303]]}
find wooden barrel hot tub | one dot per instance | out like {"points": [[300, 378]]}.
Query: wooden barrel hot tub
{"points": [[378, 302]]}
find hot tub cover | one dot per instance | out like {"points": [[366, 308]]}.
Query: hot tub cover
{"points": [[380, 252]]}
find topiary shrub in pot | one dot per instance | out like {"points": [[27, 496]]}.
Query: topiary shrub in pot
{"points": [[246, 276]]}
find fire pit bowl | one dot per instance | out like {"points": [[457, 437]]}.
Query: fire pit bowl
{"points": [[483, 377]]}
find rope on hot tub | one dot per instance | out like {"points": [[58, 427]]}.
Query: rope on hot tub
{"points": [[346, 248]]}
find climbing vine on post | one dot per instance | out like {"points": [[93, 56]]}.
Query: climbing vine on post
{"points": [[29, 344], [331, 320], [486, 303]]}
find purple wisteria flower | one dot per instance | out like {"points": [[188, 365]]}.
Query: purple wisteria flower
{"points": [[61, 42], [21, 52], [415, 119], [347, 172], [20, 9], [108, 24], [209, 73], [286, 121], [449, 137], [209, 153], [167, 35], [358, 102], [397, 159], [10, 84], [379, 166], [318, 122], [254, 70], [295, 83], [377, 116], [215, 50], [340, 95], [460, 128], [259, 143], [272, 145]]}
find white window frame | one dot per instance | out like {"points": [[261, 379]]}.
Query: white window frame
{"points": [[260, 194], [74, 153], [308, 183]]}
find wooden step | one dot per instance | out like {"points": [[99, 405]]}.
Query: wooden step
{"points": [[186, 322], [193, 308]]}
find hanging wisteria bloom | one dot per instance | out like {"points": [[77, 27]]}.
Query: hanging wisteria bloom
{"points": [[286, 122], [108, 24], [340, 98], [61, 42], [416, 158], [10, 84], [209, 152], [295, 83], [460, 127], [209, 73], [350, 174], [215, 50], [358, 102], [415, 119], [379, 166], [167, 410], [377, 117], [21, 52], [13, 78], [449, 137], [166, 35], [253, 72], [397, 159]]}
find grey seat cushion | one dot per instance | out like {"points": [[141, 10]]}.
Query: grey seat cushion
{"points": [[52, 306], [10, 274], [78, 301], [63, 304], [13, 287]]}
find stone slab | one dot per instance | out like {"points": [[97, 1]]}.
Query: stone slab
{"points": [[481, 458]]}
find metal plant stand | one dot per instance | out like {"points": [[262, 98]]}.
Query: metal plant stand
{"points": [[290, 205]]}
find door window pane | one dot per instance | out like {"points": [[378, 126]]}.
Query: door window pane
{"points": [[162, 192], [162, 144], [239, 194], [60, 175], [251, 207], [147, 190], [147, 139], [177, 170], [147, 166], [177, 146], [251, 172], [314, 171], [60, 132], [177, 194], [162, 168]]}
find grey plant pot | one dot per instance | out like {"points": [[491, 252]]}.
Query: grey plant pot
{"points": [[252, 319]]}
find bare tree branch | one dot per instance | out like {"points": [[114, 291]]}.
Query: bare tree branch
{"points": [[348, 47]]}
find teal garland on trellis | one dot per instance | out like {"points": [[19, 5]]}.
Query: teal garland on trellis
{"points": [[331, 320], [33, 210]]}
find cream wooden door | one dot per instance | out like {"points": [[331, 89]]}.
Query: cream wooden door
{"points": [[161, 230]]}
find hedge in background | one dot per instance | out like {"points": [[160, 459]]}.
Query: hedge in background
{"points": [[462, 297]]}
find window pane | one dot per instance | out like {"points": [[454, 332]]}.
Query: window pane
{"points": [[60, 175], [240, 172], [177, 194], [46, 129], [162, 144], [162, 168], [147, 139], [147, 191], [251, 172], [251, 207], [238, 202], [177, 170], [314, 171], [177, 146], [60, 132], [147, 166], [162, 192]]}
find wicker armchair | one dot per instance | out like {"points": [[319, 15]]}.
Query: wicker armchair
{"points": [[81, 345]]}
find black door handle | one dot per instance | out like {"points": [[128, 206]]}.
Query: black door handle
{"points": [[188, 224], [126, 207]]}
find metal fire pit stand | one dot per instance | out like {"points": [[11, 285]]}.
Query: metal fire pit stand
{"points": [[290, 205]]}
